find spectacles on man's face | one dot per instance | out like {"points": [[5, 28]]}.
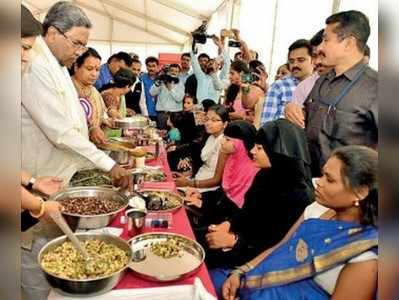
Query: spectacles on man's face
{"points": [[76, 44]]}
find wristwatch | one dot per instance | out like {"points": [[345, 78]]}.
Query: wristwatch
{"points": [[30, 184]]}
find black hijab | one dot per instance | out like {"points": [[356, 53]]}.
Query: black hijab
{"points": [[278, 195], [286, 146], [242, 130]]}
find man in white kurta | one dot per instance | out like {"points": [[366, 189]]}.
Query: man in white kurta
{"points": [[54, 130], [55, 137]]}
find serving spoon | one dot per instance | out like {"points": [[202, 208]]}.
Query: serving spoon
{"points": [[63, 225]]}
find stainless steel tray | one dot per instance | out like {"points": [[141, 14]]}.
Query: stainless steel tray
{"points": [[151, 175], [173, 200], [132, 122], [159, 269]]}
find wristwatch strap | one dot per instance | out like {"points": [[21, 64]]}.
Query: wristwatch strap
{"points": [[31, 182]]}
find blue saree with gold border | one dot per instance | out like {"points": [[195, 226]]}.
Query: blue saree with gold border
{"points": [[316, 246]]}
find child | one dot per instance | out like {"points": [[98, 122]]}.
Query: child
{"points": [[174, 123], [188, 104]]}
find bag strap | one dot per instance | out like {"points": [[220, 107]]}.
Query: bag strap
{"points": [[345, 90]]}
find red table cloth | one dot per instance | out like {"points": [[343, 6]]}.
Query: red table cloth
{"points": [[180, 225]]}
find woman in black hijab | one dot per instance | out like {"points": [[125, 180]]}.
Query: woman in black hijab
{"points": [[277, 197]]}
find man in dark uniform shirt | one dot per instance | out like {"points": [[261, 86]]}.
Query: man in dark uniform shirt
{"points": [[342, 107]]}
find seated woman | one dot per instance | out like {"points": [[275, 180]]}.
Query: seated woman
{"points": [[85, 72], [181, 158], [278, 195], [238, 174], [330, 252], [114, 97], [209, 175]]}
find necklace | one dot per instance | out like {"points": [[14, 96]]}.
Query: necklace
{"points": [[83, 92]]}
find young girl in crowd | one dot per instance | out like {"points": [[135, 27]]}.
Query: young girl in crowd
{"points": [[209, 175], [282, 72], [331, 251], [238, 174], [233, 92], [277, 197], [174, 122]]}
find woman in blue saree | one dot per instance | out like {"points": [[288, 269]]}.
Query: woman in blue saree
{"points": [[331, 251]]}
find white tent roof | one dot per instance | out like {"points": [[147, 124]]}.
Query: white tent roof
{"points": [[150, 27], [139, 21]]}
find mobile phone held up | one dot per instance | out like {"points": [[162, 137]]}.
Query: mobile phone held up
{"points": [[234, 44]]}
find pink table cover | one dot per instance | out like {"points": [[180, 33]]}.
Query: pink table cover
{"points": [[180, 225]]}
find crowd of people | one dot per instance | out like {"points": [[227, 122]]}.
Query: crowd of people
{"points": [[281, 176]]}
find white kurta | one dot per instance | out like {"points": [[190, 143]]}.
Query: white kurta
{"points": [[54, 130]]}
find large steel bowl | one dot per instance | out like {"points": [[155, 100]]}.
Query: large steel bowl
{"points": [[85, 287], [78, 221]]}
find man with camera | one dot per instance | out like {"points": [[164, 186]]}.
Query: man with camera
{"points": [[170, 92], [209, 84]]}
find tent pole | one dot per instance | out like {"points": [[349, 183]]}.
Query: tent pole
{"points": [[111, 24], [274, 35], [335, 6]]}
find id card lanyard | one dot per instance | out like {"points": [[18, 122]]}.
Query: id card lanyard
{"points": [[333, 104]]}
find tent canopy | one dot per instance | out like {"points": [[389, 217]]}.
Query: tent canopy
{"points": [[151, 27], [139, 21]]}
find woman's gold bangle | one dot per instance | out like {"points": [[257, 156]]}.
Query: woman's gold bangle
{"points": [[42, 208]]}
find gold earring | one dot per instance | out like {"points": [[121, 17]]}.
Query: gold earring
{"points": [[356, 203]]}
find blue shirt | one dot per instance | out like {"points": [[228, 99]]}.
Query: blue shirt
{"points": [[209, 86], [149, 100], [104, 77], [183, 77], [279, 94], [168, 100], [174, 135]]}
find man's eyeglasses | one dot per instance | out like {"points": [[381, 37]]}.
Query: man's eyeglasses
{"points": [[77, 45]]}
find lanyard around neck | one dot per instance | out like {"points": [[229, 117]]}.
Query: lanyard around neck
{"points": [[345, 90]]}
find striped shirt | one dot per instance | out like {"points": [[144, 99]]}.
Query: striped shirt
{"points": [[279, 94]]}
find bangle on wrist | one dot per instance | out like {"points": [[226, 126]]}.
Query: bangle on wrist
{"points": [[42, 208], [240, 273]]}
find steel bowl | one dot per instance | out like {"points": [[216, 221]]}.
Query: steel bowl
{"points": [[168, 195], [85, 287], [78, 221], [121, 157], [134, 122]]}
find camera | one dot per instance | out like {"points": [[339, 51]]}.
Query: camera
{"points": [[164, 76], [199, 35]]}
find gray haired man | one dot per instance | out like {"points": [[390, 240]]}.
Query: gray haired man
{"points": [[55, 136]]}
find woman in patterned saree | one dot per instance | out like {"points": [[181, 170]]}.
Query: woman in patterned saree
{"points": [[85, 73], [331, 251]]}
